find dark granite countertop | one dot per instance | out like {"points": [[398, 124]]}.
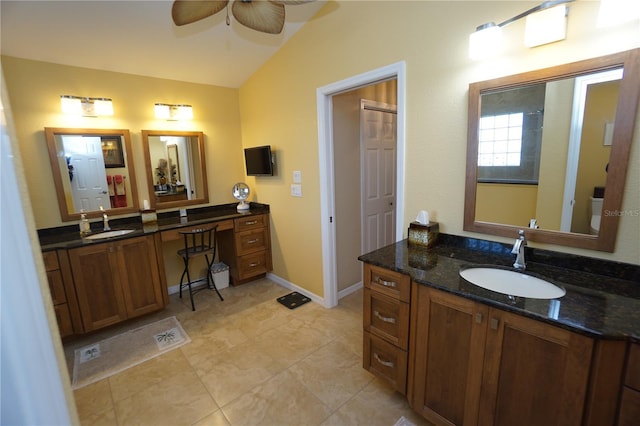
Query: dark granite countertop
{"points": [[602, 297], [66, 237]]}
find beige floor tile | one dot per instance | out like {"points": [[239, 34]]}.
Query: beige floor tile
{"points": [[235, 372], [298, 406], [178, 400], [105, 418], [93, 398], [376, 404], [215, 419], [293, 341], [137, 379], [333, 373]]}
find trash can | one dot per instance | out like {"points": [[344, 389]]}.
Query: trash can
{"points": [[220, 275]]}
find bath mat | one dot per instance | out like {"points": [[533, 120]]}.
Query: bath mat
{"points": [[293, 300], [110, 356]]}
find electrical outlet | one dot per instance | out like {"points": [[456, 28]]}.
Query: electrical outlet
{"points": [[296, 190]]}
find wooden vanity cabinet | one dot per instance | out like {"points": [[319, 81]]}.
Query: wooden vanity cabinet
{"points": [[386, 325], [116, 281], [61, 287], [479, 365], [247, 250], [630, 401]]}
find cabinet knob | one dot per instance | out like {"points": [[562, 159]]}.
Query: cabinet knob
{"points": [[390, 320], [251, 222], [252, 241], [389, 364]]}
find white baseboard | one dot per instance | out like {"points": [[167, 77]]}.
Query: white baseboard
{"points": [[291, 286], [351, 289]]}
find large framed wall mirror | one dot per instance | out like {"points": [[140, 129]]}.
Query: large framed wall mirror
{"points": [[548, 151], [176, 169], [92, 168]]}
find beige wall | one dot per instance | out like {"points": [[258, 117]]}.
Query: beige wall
{"points": [[277, 106], [34, 92], [432, 38], [506, 203]]}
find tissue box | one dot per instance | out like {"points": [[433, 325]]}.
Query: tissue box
{"points": [[220, 275], [423, 234], [149, 216]]}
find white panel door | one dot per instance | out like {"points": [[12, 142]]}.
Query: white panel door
{"points": [[89, 183], [378, 139]]}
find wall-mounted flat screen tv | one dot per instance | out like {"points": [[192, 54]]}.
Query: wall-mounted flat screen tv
{"points": [[259, 161]]}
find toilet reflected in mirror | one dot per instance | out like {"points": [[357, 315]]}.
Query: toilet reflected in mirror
{"points": [[596, 215]]}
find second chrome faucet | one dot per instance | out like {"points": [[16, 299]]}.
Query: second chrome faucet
{"points": [[105, 219], [518, 250]]}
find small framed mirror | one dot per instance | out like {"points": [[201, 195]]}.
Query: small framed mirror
{"points": [[176, 169], [92, 168], [548, 151]]}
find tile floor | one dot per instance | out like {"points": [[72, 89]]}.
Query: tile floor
{"points": [[251, 361]]}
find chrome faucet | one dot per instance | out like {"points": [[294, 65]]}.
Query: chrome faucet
{"points": [[518, 250], [105, 219]]}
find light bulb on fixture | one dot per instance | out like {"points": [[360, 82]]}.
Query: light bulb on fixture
{"points": [[173, 112], [485, 41], [87, 107]]}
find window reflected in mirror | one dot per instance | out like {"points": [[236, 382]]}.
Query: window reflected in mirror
{"points": [[176, 171], [92, 169]]}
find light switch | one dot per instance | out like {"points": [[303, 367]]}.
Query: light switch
{"points": [[297, 176], [296, 190]]}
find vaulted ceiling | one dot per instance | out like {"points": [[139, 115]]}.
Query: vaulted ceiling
{"points": [[139, 37]]}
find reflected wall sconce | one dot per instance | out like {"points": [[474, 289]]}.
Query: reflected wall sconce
{"points": [[173, 112], [86, 107], [544, 24]]}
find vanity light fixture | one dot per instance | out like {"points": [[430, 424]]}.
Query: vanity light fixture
{"points": [[173, 112], [87, 107], [545, 23]]}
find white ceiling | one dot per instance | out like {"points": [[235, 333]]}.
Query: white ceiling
{"points": [[139, 37]]}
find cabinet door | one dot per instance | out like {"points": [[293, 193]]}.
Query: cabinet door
{"points": [[138, 269], [449, 345], [98, 286], [534, 373]]}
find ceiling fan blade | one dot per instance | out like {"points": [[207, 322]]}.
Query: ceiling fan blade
{"points": [[263, 16], [187, 11], [291, 2]]}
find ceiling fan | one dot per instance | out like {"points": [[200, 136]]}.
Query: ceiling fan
{"points": [[266, 16]]}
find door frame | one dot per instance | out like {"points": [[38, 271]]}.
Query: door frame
{"points": [[324, 98]]}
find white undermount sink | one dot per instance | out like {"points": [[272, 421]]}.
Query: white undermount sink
{"points": [[512, 283], [109, 234]]}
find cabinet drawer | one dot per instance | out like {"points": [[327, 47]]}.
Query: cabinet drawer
{"points": [[632, 378], [56, 286], [250, 222], [391, 283], [252, 265], [50, 259], [64, 320], [386, 361], [387, 318], [251, 241]]}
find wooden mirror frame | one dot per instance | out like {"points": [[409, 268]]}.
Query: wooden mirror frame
{"points": [[150, 168], [619, 159], [66, 215]]}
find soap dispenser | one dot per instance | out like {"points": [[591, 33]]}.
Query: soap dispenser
{"points": [[85, 227]]}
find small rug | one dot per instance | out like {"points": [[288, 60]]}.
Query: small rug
{"points": [[293, 300], [115, 354]]}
